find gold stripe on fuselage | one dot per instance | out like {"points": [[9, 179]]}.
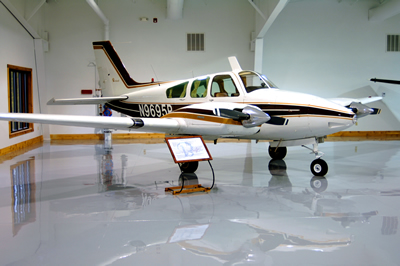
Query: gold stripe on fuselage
{"points": [[202, 117]]}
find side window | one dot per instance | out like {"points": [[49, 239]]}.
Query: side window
{"points": [[199, 88], [177, 91], [20, 97], [223, 86]]}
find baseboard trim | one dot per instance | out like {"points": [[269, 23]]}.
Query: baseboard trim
{"points": [[367, 135], [21, 147]]}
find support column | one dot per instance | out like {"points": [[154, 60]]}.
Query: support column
{"points": [[107, 139], [258, 55]]}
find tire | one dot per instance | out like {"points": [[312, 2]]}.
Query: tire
{"points": [[319, 167], [189, 167], [319, 184], [277, 153], [188, 179]]}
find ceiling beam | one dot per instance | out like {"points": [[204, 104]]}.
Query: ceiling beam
{"points": [[384, 11], [277, 10], [20, 19]]}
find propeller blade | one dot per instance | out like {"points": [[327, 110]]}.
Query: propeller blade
{"points": [[278, 121], [252, 116], [376, 111], [397, 82], [233, 114]]}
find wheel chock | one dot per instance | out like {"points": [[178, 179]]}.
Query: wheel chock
{"points": [[187, 189]]}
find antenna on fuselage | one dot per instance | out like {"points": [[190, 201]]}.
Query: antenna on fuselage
{"points": [[158, 81]]}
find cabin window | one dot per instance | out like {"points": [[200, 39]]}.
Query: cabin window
{"points": [[199, 88], [178, 91], [20, 97], [253, 81], [223, 86]]}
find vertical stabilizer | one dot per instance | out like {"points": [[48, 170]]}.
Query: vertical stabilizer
{"points": [[114, 78]]}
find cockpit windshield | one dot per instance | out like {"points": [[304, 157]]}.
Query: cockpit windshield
{"points": [[253, 81]]}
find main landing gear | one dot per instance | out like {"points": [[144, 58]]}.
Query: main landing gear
{"points": [[318, 167], [189, 167]]}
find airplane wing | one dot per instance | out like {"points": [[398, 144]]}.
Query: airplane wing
{"points": [[348, 101], [95, 100], [358, 106], [185, 121], [124, 123]]}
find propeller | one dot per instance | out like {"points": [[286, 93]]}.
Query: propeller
{"points": [[251, 116], [397, 82], [362, 110]]}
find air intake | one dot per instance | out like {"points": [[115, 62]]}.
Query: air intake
{"points": [[393, 44], [195, 42]]}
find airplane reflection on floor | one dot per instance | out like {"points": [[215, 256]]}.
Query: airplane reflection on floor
{"points": [[117, 213]]}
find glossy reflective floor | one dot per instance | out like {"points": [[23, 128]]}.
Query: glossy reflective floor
{"points": [[83, 205]]}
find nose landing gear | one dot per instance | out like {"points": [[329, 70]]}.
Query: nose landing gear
{"points": [[318, 167]]}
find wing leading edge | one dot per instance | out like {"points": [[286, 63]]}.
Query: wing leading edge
{"points": [[75, 101], [124, 123]]}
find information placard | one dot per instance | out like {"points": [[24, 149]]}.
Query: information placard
{"points": [[188, 149]]}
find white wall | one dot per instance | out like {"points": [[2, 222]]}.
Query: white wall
{"points": [[142, 46], [330, 49], [17, 48], [324, 47]]}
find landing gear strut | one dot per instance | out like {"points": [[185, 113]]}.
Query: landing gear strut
{"points": [[318, 167]]}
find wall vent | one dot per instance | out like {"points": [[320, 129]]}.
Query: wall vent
{"points": [[195, 42], [392, 43]]}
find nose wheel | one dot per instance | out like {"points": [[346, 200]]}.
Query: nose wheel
{"points": [[319, 167]]}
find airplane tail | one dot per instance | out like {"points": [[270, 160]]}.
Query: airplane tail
{"points": [[114, 78]]}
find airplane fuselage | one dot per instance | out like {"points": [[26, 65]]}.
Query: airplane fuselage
{"points": [[308, 115]]}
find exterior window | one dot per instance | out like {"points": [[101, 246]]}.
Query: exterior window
{"points": [[23, 191], [223, 86], [20, 97], [199, 88], [254, 81], [178, 91]]}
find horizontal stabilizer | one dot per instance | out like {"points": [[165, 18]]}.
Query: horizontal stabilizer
{"points": [[77, 101]]}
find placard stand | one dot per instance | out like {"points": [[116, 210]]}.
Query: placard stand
{"points": [[186, 150]]}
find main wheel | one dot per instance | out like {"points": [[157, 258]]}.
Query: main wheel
{"points": [[188, 179], [319, 167], [277, 153], [189, 167]]}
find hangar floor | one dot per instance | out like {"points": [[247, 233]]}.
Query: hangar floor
{"points": [[82, 205]]}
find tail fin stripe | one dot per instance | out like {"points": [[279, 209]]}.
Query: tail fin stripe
{"points": [[117, 63]]}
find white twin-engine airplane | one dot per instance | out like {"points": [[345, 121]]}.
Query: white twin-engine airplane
{"points": [[239, 104]]}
